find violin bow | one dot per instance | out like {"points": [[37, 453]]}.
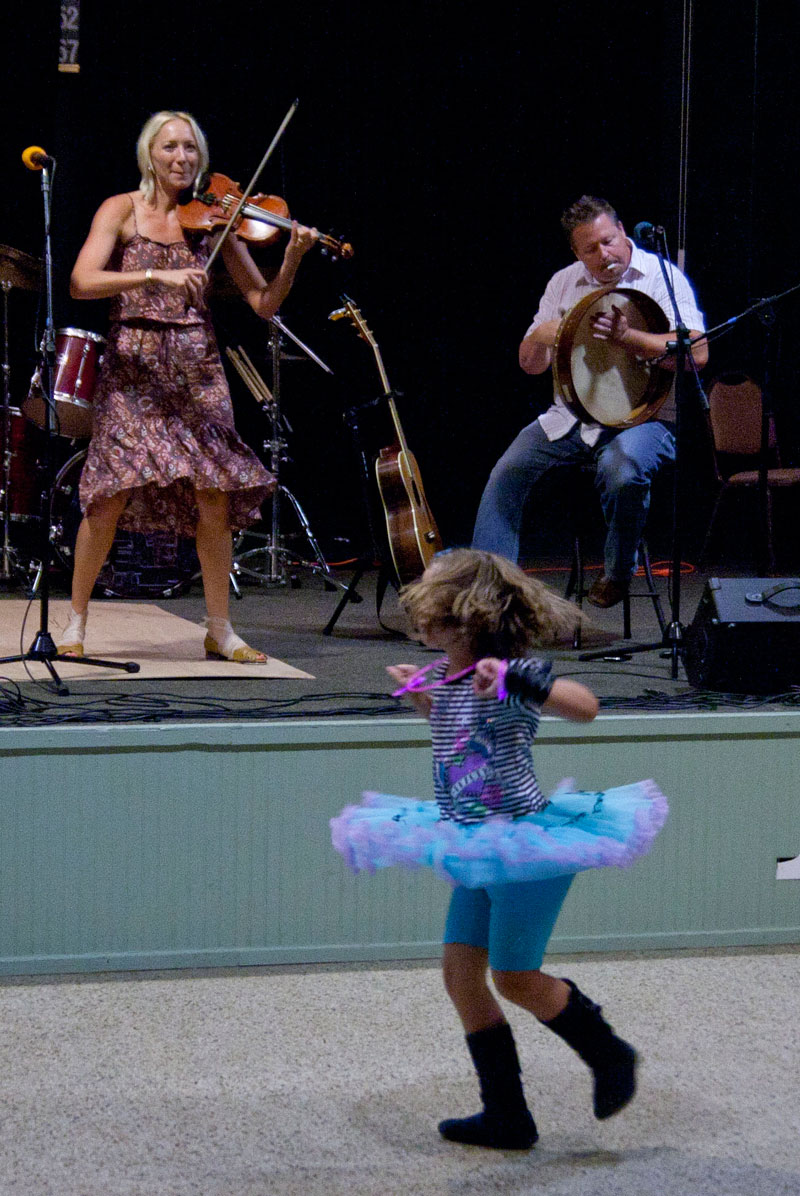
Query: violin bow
{"points": [[249, 189]]}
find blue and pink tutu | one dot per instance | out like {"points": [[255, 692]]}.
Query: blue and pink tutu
{"points": [[576, 831]]}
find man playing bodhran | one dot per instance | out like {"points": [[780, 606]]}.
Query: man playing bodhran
{"points": [[627, 458]]}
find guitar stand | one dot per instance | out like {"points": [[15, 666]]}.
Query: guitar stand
{"points": [[385, 579], [386, 576]]}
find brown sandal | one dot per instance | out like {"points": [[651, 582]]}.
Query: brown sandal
{"points": [[243, 654]]}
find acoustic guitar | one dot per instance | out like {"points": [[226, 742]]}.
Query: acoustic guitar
{"points": [[411, 529]]}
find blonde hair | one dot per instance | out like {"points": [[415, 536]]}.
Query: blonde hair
{"points": [[150, 131], [504, 612]]}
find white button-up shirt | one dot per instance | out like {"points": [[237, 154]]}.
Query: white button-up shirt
{"points": [[572, 283]]}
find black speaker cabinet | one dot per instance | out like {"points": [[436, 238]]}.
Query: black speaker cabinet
{"points": [[745, 636]]}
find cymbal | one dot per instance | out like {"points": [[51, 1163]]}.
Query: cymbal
{"points": [[19, 269]]}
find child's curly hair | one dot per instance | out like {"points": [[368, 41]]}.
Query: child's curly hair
{"points": [[504, 611]]}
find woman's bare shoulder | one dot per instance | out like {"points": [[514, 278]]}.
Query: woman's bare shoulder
{"points": [[115, 210]]}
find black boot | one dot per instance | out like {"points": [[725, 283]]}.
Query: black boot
{"points": [[505, 1122], [612, 1060]]}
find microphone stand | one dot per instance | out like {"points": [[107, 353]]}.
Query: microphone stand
{"points": [[680, 348], [768, 317], [43, 648]]}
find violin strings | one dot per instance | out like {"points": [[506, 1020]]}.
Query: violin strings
{"points": [[273, 218], [268, 217]]}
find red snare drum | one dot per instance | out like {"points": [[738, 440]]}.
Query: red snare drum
{"points": [[78, 357], [25, 473]]}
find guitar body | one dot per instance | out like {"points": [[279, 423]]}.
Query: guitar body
{"points": [[410, 526]]}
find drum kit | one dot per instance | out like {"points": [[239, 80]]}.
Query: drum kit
{"points": [[24, 486], [140, 565]]}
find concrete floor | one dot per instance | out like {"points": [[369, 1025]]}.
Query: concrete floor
{"points": [[326, 1081]]}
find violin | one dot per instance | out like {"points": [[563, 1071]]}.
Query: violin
{"points": [[261, 219]]}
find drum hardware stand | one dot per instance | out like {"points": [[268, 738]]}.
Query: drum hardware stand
{"points": [[272, 547], [23, 272], [6, 572], [43, 648]]}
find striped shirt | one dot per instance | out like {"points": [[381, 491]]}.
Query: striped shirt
{"points": [[482, 761]]}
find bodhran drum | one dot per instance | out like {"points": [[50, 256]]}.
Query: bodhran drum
{"points": [[78, 358], [600, 381], [157, 564]]}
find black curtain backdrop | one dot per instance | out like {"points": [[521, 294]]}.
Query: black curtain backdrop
{"points": [[444, 143]]}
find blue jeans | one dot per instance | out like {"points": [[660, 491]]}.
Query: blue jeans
{"points": [[626, 463]]}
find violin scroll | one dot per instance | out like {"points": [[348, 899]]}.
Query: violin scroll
{"points": [[334, 247]]}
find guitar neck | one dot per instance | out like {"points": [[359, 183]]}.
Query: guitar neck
{"points": [[398, 427], [387, 390], [364, 332]]}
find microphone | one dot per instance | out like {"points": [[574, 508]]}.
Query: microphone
{"points": [[646, 234], [35, 158]]}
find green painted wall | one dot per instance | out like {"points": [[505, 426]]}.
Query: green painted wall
{"points": [[200, 845]]}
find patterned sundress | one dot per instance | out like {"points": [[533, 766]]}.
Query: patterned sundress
{"points": [[163, 418]]}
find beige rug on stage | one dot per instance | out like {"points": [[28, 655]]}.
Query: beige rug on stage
{"points": [[162, 644]]}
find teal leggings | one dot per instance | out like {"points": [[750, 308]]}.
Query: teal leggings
{"points": [[512, 922]]}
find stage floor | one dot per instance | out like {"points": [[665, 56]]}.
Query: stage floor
{"points": [[347, 667]]}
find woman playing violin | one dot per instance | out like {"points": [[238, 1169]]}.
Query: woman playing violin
{"points": [[164, 452]]}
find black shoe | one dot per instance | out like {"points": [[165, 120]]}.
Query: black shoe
{"points": [[611, 1059], [486, 1129], [614, 1079], [505, 1122]]}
